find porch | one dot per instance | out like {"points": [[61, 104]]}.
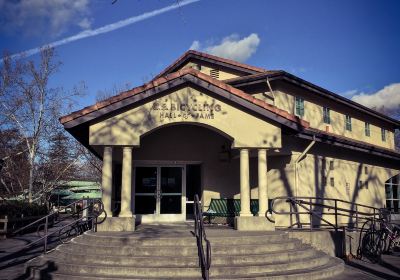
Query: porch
{"points": [[156, 181]]}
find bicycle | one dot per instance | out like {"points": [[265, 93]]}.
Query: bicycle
{"points": [[390, 235]]}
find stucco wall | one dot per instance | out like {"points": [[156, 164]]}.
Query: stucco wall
{"points": [[285, 99], [189, 143], [187, 105]]}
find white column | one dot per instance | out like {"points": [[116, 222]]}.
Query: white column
{"points": [[126, 188], [244, 183], [106, 180], [262, 182]]}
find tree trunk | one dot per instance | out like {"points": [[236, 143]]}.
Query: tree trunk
{"points": [[30, 187]]}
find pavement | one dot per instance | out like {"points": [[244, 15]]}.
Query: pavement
{"points": [[13, 257], [14, 253]]}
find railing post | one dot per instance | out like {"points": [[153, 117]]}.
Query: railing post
{"points": [[357, 216], [336, 216], [45, 233], [291, 215], [311, 224]]}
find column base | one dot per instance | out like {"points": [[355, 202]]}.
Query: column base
{"points": [[253, 224], [117, 224], [125, 215]]}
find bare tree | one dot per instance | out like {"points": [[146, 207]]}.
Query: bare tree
{"points": [[29, 106]]}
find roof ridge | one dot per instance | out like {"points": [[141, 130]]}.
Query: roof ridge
{"points": [[210, 56]]}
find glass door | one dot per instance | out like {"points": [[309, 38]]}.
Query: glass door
{"points": [[146, 190], [160, 193], [171, 190]]}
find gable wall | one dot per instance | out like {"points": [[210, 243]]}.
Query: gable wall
{"points": [[186, 105], [224, 73]]}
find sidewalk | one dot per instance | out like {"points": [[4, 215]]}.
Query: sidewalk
{"points": [[13, 255], [388, 269]]}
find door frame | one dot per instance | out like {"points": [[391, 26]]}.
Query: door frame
{"points": [[157, 217]]}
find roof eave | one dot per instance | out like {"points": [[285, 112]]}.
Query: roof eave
{"points": [[245, 81]]}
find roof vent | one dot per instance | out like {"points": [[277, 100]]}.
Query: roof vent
{"points": [[214, 73]]}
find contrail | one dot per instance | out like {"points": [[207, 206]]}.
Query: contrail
{"points": [[105, 29]]}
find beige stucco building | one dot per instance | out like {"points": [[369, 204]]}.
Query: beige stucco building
{"points": [[223, 129]]}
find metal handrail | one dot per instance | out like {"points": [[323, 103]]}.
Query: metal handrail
{"points": [[306, 204], [200, 233], [47, 216], [90, 218]]}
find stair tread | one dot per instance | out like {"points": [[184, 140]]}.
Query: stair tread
{"points": [[318, 255]]}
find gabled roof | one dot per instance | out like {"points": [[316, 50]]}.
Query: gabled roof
{"points": [[173, 80], [226, 90], [245, 68], [282, 75]]}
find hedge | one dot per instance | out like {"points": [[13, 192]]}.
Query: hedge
{"points": [[18, 209]]}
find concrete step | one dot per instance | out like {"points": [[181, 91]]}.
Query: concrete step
{"points": [[151, 261], [317, 268], [188, 271], [125, 250], [186, 240], [144, 255], [333, 268]]}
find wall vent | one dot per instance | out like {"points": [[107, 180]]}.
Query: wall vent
{"points": [[214, 73]]}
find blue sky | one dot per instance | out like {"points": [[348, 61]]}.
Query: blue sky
{"points": [[348, 47]]}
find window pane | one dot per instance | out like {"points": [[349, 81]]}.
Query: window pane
{"points": [[395, 191], [145, 204], [388, 189], [367, 129], [348, 123], [395, 206], [327, 117], [299, 106]]}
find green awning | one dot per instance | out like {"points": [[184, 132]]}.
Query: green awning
{"points": [[77, 196]]}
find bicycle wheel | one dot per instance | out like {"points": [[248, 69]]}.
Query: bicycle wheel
{"points": [[370, 246], [40, 230], [66, 234]]}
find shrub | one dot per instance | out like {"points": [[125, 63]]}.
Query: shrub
{"points": [[17, 209]]}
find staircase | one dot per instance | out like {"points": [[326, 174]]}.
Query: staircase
{"points": [[170, 252]]}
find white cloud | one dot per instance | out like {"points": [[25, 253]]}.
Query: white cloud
{"points": [[104, 29], [37, 17], [386, 99], [231, 47], [85, 23]]}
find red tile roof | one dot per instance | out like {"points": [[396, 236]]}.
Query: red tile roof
{"points": [[175, 75]]}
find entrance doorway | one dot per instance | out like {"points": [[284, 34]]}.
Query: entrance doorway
{"points": [[160, 193]]}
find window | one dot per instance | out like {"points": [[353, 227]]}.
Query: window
{"points": [[299, 106], [348, 123], [392, 189], [331, 167], [367, 130], [383, 131], [362, 185], [366, 169], [327, 115], [332, 182]]}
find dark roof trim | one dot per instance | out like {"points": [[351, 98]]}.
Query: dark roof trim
{"points": [[322, 137], [255, 79], [241, 99]]}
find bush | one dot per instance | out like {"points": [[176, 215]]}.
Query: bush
{"points": [[17, 209]]}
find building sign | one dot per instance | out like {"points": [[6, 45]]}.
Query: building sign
{"points": [[184, 111]]}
